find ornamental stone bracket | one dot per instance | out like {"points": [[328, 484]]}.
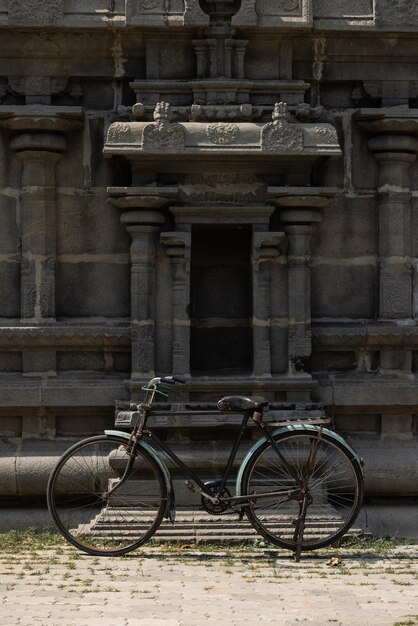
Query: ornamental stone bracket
{"points": [[164, 139], [39, 140]]}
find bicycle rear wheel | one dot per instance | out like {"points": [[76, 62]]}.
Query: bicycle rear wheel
{"points": [[90, 519], [333, 485]]}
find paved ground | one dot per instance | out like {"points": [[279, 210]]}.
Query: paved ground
{"points": [[182, 586]]}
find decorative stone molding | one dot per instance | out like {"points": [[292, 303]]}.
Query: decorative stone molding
{"points": [[221, 187], [279, 137]]}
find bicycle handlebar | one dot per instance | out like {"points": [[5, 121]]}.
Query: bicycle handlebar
{"points": [[171, 380]]}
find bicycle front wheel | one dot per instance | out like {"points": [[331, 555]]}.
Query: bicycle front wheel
{"points": [[91, 518], [302, 464]]}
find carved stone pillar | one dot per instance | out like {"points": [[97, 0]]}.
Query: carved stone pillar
{"points": [[299, 225], [394, 153], [178, 246], [39, 142], [394, 146], [39, 154], [143, 220], [265, 250]]}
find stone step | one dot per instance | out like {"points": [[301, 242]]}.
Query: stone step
{"points": [[196, 526]]}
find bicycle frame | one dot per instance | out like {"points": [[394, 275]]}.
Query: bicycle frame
{"points": [[221, 483]]}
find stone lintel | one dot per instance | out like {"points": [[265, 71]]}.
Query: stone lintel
{"points": [[222, 213], [56, 335], [247, 385], [367, 336]]}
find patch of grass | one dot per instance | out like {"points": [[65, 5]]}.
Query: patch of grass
{"points": [[31, 539], [380, 546], [411, 620]]}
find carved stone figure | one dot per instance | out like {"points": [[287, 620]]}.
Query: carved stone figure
{"points": [[279, 135], [163, 135]]}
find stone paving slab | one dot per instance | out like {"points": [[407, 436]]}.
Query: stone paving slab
{"points": [[185, 586]]}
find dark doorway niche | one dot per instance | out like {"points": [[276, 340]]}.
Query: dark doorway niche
{"points": [[221, 303]]}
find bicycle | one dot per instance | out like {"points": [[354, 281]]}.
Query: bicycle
{"points": [[300, 485]]}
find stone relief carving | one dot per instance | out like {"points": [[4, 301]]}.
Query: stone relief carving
{"points": [[288, 5], [395, 298], [279, 135], [246, 15], [222, 134], [326, 135], [119, 132], [398, 12], [149, 5], [300, 342], [36, 12], [163, 135], [219, 187]]}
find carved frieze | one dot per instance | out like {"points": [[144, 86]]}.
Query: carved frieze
{"points": [[396, 12], [36, 12], [273, 13], [222, 134], [220, 187], [279, 137]]}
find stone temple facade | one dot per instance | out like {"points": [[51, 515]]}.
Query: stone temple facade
{"points": [[221, 189]]}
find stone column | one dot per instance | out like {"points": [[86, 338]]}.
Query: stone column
{"points": [[394, 153], [265, 250], [142, 219], [39, 142], [38, 152], [299, 225], [178, 246]]}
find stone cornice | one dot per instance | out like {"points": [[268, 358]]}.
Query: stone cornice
{"points": [[164, 139], [369, 335], [57, 335]]}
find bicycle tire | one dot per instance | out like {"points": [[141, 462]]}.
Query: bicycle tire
{"points": [[335, 488], [92, 522]]}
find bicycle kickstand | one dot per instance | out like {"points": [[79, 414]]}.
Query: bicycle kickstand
{"points": [[299, 530]]}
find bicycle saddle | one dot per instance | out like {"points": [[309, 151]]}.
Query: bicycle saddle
{"points": [[241, 403]]}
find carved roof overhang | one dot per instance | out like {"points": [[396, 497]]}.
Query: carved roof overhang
{"points": [[138, 140]]}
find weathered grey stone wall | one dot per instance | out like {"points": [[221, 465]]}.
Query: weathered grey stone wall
{"points": [[108, 197]]}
